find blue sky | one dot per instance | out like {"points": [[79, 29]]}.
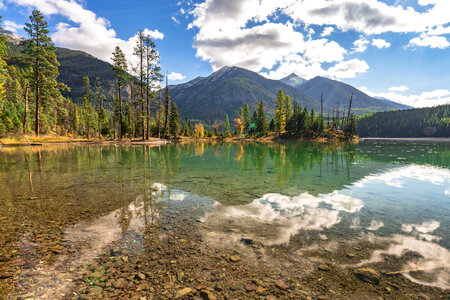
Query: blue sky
{"points": [[398, 49]]}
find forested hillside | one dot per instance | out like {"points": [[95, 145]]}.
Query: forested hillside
{"points": [[421, 122]]}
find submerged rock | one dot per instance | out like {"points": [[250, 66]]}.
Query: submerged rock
{"points": [[207, 295], [368, 275], [183, 292], [96, 290], [235, 258], [323, 268], [281, 285]]}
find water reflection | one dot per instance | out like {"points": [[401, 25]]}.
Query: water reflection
{"points": [[62, 207], [84, 242]]}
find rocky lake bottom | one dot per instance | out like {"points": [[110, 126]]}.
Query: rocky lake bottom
{"points": [[226, 221]]}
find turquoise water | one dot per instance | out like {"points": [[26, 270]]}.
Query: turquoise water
{"points": [[388, 198]]}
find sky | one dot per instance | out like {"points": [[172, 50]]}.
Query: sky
{"points": [[397, 49]]}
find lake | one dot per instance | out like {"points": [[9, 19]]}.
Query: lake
{"points": [[226, 220]]}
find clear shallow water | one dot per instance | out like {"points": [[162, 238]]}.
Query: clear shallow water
{"points": [[283, 208]]}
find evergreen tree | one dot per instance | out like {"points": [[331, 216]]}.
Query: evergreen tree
{"points": [[154, 76], [86, 106], [120, 67], [227, 126], [39, 53], [191, 130], [174, 124], [246, 116], [261, 122], [139, 51], [280, 113], [167, 102], [103, 122], [129, 127], [99, 97], [185, 128], [3, 71], [272, 126], [288, 108]]}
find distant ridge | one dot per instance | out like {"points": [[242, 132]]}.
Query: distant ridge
{"points": [[226, 90]]}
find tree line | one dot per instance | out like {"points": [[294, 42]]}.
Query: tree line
{"points": [[290, 120], [421, 122], [31, 99]]}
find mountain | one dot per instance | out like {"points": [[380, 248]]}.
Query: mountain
{"points": [[293, 80], [337, 94], [226, 90], [74, 65], [392, 103]]}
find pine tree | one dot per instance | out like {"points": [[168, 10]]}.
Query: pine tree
{"points": [[261, 122], [120, 67], [139, 51], [154, 75], [185, 128], [99, 97], [288, 108], [86, 109], [280, 113], [227, 126], [246, 116], [39, 53], [174, 123], [3, 71], [167, 101], [272, 126], [129, 127]]}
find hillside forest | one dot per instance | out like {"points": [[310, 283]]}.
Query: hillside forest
{"points": [[421, 122], [32, 100]]}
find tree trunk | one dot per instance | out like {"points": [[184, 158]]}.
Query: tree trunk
{"points": [[142, 88], [120, 111], [36, 127], [26, 109]]}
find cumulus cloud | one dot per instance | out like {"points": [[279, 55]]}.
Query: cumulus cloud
{"points": [[12, 26], [369, 17], [440, 42], [424, 99], [327, 31], [360, 45], [89, 33], [224, 39], [380, 43], [401, 88], [348, 69], [176, 76]]}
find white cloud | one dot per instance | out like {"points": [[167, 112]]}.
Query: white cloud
{"points": [[12, 26], [176, 76], [425, 99], [348, 69], [375, 225], [224, 39], [327, 31], [440, 42], [90, 33], [175, 20], [2, 5], [370, 16], [360, 45], [380, 43], [402, 88]]}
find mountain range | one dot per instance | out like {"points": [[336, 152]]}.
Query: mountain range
{"points": [[223, 92]]}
